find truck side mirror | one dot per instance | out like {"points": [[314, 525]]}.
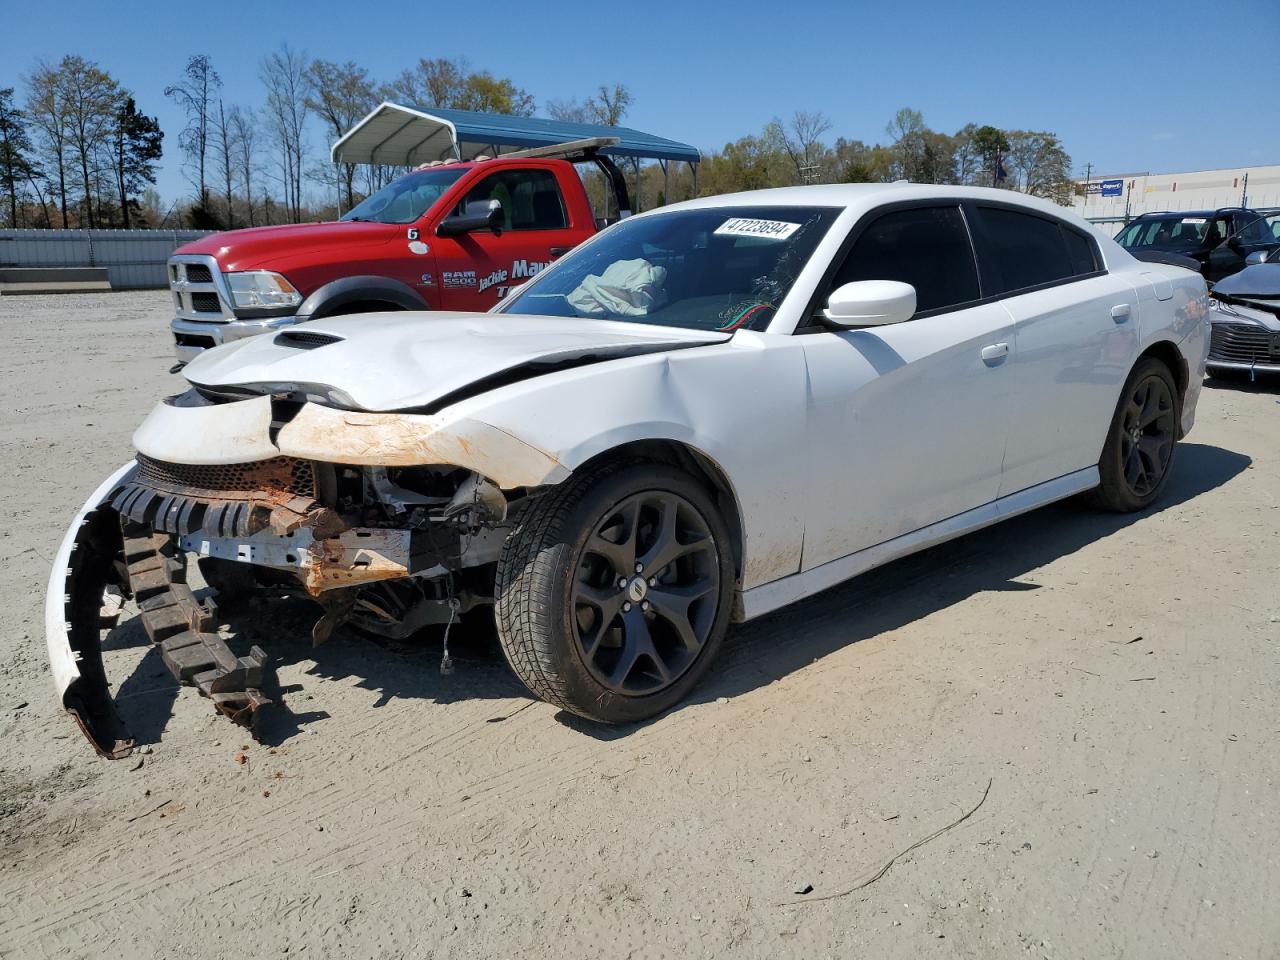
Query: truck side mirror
{"points": [[478, 215]]}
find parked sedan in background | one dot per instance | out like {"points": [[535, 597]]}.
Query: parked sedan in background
{"points": [[701, 415], [1218, 241], [1246, 318]]}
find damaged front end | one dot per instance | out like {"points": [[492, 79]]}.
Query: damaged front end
{"points": [[388, 548]]}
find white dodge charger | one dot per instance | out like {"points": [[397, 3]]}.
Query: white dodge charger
{"points": [[700, 415]]}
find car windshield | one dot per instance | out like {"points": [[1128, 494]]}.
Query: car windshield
{"points": [[717, 268], [406, 199], [1170, 233]]}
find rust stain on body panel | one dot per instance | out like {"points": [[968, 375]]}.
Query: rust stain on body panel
{"points": [[403, 439]]}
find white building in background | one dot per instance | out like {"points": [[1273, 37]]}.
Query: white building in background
{"points": [[1122, 195]]}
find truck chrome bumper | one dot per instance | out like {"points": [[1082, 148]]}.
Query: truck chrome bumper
{"points": [[193, 337]]}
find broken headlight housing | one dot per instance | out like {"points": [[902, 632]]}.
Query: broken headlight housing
{"points": [[261, 289]]}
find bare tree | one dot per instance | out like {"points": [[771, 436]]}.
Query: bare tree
{"points": [[284, 73], [610, 106], [48, 111], [195, 94], [243, 134], [225, 153], [341, 95], [436, 82], [92, 99], [802, 138], [570, 111]]}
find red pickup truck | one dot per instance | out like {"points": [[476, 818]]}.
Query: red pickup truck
{"points": [[452, 236]]}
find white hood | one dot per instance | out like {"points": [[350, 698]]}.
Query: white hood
{"points": [[399, 361]]}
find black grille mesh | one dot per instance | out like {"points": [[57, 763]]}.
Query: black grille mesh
{"points": [[280, 474], [305, 339], [198, 273], [205, 303]]}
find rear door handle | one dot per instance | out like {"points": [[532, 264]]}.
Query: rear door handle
{"points": [[558, 251], [995, 353], [1120, 312]]}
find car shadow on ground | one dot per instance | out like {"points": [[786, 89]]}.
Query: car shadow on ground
{"points": [[1241, 383], [754, 655]]}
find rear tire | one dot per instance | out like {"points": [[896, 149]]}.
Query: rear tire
{"points": [[587, 631], [1138, 453]]}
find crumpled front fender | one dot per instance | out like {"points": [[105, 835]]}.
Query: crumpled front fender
{"points": [[81, 570]]}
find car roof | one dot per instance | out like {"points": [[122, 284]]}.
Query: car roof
{"points": [[864, 196], [1179, 214]]}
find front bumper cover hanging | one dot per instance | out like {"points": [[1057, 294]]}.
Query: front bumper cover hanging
{"points": [[101, 550]]}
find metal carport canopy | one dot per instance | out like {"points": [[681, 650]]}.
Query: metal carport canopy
{"points": [[405, 136]]}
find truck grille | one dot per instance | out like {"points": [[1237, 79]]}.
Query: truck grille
{"points": [[1243, 343], [206, 303], [196, 290]]}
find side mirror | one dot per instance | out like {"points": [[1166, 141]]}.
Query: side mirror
{"points": [[870, 303], [478, 215], [1255, 258]]}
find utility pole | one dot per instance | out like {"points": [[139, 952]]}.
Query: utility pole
{"points": [[1244, 191], [1088, 173]]}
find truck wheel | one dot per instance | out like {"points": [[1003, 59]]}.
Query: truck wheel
{"points": [[613, 592], [1139, 449]]}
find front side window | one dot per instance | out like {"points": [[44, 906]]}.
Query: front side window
{"points": [[715, 268], [927, 247], [407, 198], [530, 199], [1257, 230]]}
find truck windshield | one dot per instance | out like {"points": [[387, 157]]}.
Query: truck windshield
{"points": [[406, 199], [719, 268]]}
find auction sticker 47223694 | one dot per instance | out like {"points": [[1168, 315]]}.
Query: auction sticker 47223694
{"points": [[749, 227]]}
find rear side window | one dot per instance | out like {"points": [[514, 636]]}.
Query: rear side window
{"points": [[1081, 250], [1022, 250], [927, 247], [530, 199]]}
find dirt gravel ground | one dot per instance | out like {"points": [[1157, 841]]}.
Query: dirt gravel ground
{"points": [[1114, 679]]}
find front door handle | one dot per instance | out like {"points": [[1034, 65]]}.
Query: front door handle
{"points": [[557, 252], [995, 353], [1120, 312]]}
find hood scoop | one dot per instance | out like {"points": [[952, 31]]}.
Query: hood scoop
{"points": [[305, 339]]}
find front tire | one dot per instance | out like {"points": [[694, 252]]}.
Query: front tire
{"points": [[613, 592], [1138, 453]]}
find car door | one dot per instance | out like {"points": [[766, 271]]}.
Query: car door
{"points": [[907, 423], [1253, 232], [1075, 339], [476, 269]]}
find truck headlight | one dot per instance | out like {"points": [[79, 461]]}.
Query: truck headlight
{"points": [[261, 288]]}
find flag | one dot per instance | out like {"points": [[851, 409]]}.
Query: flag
{"points": [[1000, 171]]}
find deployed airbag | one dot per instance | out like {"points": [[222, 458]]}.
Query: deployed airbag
{"points": [[627, 288]]}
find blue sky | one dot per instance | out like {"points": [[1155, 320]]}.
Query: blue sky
{"points": [[1128, 86]]}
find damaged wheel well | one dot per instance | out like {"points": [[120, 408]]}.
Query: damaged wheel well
{"points": [[698, 465]]}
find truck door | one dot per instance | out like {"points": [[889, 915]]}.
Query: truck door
{"points": [[476, 269]]}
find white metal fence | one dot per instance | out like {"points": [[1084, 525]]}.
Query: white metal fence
{"points": [[135, 259]]}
